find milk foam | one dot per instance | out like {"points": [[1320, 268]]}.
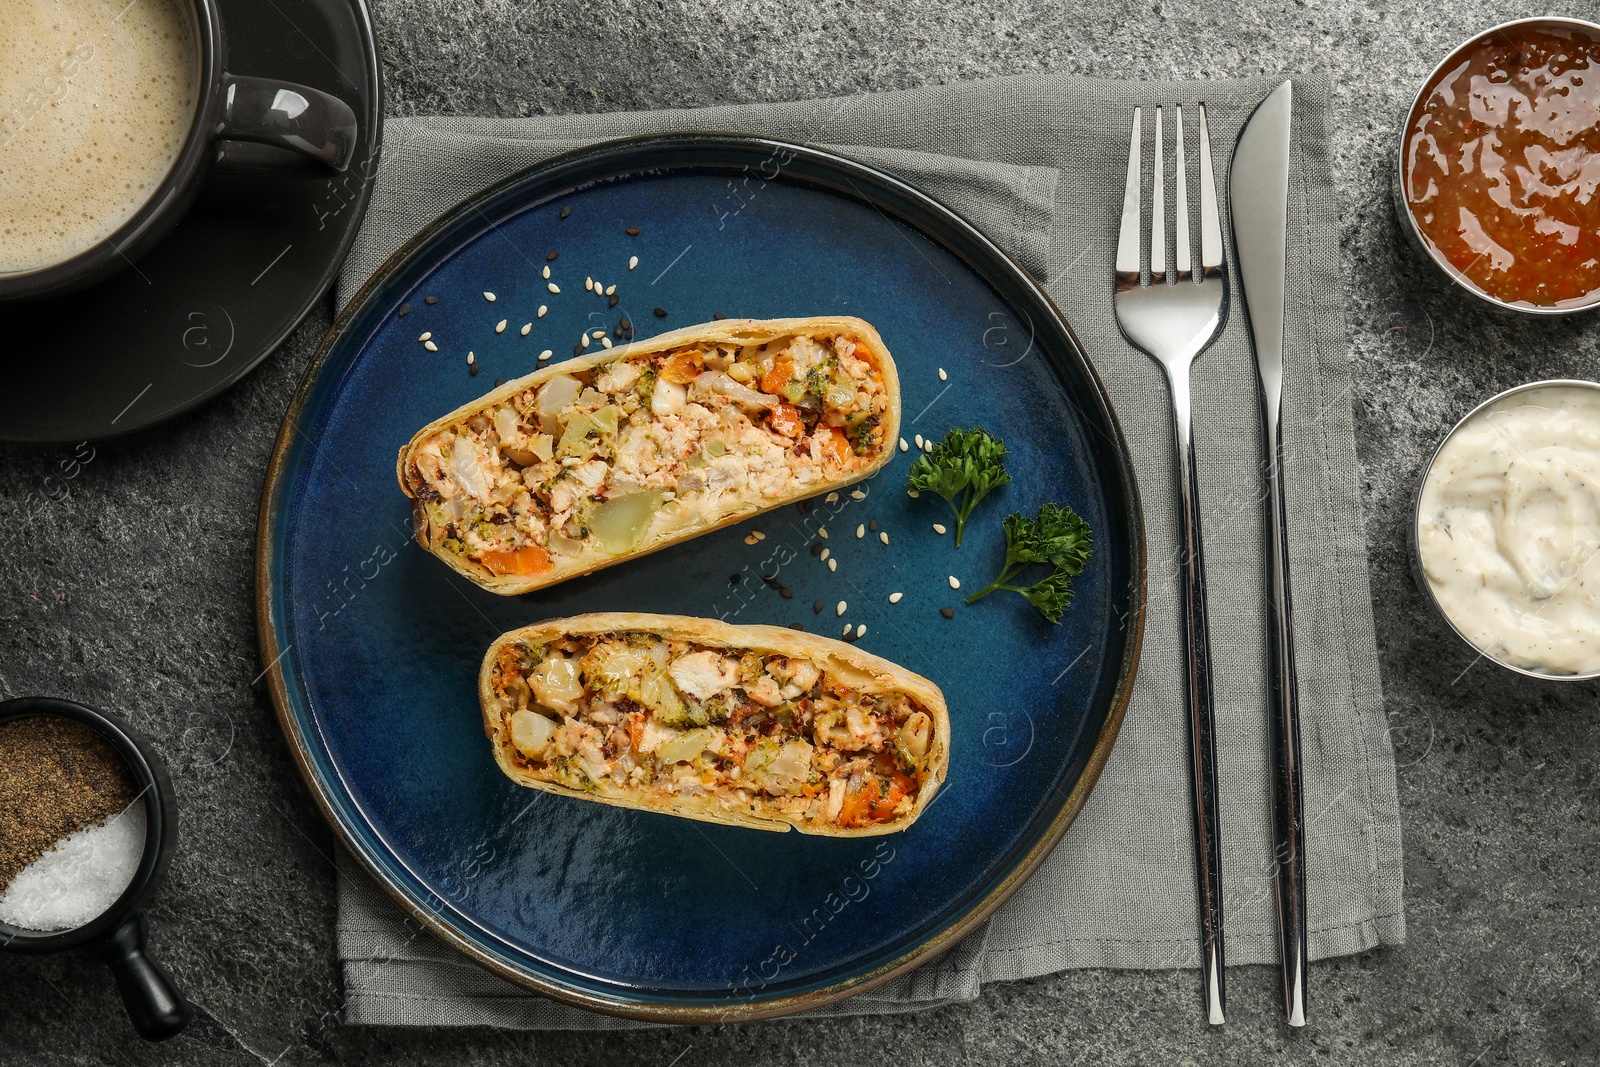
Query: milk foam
{"points": [[96, 98]]}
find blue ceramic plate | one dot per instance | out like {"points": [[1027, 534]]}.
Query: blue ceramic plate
{"points": [[374, 646]]}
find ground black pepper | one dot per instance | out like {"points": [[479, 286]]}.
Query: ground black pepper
{"points": [[57, 776]]}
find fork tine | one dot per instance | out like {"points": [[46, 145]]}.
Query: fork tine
{"points": [[1158, 212], [1210, 222], [1128, 239], [1180, 207]]}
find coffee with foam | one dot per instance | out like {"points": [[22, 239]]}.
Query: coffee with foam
{"points": [[96, 100]]}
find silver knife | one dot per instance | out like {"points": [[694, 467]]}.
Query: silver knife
{"points": [[1258, 195]]}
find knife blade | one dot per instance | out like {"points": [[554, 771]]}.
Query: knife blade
{"points": [[1258, 201]]}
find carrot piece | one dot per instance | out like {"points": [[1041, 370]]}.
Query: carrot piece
{"points": [[836, 446], [635, 730], [785, 419], [529, 559], [681, 368], [778, 377]]}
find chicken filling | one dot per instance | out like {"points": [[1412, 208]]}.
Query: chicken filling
{"points": [[601, 458], [764, 734]]}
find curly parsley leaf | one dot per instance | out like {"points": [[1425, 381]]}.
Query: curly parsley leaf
{"points": [[1059, 539], [963, 468]]}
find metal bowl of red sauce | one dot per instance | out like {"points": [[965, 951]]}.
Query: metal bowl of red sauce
{"points": [[1498, 174]]}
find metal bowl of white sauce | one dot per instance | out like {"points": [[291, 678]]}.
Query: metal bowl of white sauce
{"points": [[1505, 533]]}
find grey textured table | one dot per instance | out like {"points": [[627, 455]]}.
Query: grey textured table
{"points": [[134, 590]]}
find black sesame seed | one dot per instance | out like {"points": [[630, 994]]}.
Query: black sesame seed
{"points": [[804, 507], [565, 211], [796, 626], [661, 313], [632, 231], [735, 579], [472, 369], [718, 315], [625, 324], [817, 607], [816, 548], [551, 255], [405, 309], [770, 580], [611, 301], [873, 526], [577, 350], [430, 300], [498, 382], [948, 613], [785, 592]]}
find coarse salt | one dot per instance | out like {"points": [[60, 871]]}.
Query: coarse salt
{"points": [[80, 877]]}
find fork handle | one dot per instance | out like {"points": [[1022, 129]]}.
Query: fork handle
{"points": [[1201, 713], [1288, 801]]}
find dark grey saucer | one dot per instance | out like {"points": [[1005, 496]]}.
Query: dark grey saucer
{"points": [[230, 284]]}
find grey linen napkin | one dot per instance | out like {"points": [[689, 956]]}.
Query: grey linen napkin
{"points": [[1037, 162]]}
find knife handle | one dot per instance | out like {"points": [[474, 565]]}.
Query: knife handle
{"points": [[1288, 804], [1200, 705]]}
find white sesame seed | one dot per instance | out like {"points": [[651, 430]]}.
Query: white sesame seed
{"points": [[553, 287], [822, 532], [546, 354], [758, 535], [831, 498], [542, 309], [597, 334], [840, 609], [823, 555], [894, 598], [861, 530], [547, 274], [427, 336], [605, 342], [903, 445], [527, 328], [861, 631], [833, 564], [943, 377], [857, 495], [585, 339], [611, 290], [938, 528], [500, 327], [488, 296], [919, 440], [430, 346], [927, 446], [884, 536], [912, 493], [846, 630], [955, 583], [633, 261], [749, 540], [588, 284], [471, 359]]}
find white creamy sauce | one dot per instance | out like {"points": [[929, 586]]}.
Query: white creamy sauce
{"points": [[1509, 529]]}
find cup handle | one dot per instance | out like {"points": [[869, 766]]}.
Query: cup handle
{"points": [[307, 121], [155, 1006]]}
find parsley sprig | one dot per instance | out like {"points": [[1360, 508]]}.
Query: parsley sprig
{"points": [[963, 468], [1058, 539]]}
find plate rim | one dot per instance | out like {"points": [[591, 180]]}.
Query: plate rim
{"points": [[622, 154]]}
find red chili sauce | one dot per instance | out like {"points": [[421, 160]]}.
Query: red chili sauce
{"points": [[1502, 165]]}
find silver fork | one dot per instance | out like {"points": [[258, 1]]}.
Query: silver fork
{"points": [[1173, 321]]}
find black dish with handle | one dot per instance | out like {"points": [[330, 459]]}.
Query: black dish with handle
{"points": [[117, 935]]}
